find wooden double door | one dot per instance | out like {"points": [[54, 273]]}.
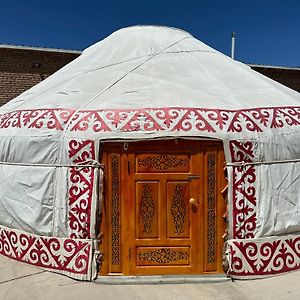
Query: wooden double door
{"points": [[163, 208]]}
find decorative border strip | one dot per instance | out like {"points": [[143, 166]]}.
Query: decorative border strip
{"points": [[62, 255], [115, 211], [154, 119], [211, 207], [244, 200], [264, 257], [81, 189]]}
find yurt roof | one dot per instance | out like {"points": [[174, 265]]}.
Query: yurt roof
{"points": [[151, 67]]}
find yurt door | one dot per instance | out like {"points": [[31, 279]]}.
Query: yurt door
{"points": [[166, 223]]}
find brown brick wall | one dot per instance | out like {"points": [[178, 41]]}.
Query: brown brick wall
{"points": [[13, 84], [20, 69], [288, 77]]}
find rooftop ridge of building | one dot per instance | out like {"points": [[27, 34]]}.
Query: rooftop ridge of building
{"points": [[36, 48], [62, 50], [273, 67]]}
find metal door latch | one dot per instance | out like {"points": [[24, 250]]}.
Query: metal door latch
{"points": [[191, 177]]}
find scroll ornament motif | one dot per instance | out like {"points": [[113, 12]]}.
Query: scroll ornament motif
{"points": [[177, 119], [63, 255], [115, 210], [178, 209], [244, 190], [211, 218], [265, 257], [147, 209], [163, 256], [162, 162], [81, 188]]}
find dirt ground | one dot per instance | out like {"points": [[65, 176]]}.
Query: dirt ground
{"points": [[20, 281]]}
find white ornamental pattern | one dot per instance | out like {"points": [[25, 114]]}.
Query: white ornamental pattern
{"points": [[154, 119], [264, 257], [63, 255], [81, 188], [244, 201]]}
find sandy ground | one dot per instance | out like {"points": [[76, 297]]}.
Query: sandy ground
{"points": [[20, 281]]}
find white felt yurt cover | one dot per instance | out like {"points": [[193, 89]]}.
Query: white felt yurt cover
{"points": [[148, 82]]}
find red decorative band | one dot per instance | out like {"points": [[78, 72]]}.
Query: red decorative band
{"points": [[63, 255], [81, 189], [264, 257], [244, 200], [155, 119]]}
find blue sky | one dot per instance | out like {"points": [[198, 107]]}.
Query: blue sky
{"points": [[268, 32]]}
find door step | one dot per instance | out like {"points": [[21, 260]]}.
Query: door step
{"points": [[161, 279]]}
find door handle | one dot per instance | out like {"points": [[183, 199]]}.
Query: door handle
{"points": [[193, 202]]}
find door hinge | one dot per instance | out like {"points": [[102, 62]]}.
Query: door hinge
{"points": [[128, 167]]}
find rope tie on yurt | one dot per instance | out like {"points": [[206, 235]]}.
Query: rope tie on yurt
{"points": [[271, 162], [97, 257], [228, 257], [89, 163]]}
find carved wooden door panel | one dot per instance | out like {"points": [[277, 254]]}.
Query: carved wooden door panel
{"points": [[164, 236], [163, 208]]}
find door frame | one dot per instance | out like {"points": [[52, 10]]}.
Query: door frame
{"points": [[114, 232]]}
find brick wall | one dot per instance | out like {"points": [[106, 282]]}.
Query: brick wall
{"points": [[21, 68], [288, 77]]}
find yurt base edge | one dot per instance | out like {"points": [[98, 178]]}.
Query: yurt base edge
{"points": [[263, 257], [71, 257]]}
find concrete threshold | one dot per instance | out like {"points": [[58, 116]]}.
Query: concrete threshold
{"points": [[161, 279]]}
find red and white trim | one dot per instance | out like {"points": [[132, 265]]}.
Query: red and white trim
{"points": [[249, 257], [176, 119], [81, 182], [244, 200], [252, 258], [71, 257]]}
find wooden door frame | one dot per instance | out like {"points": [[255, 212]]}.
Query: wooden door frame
{"points": [[114, 156]]}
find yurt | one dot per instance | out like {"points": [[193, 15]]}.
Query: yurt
{"points": [[152, 154]]}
